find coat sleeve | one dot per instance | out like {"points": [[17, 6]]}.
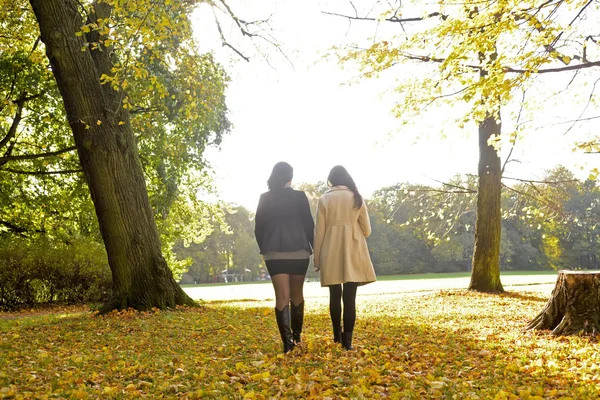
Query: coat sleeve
{"points": [[363, 220], [259, 222], [319, 232], [307, 220]]}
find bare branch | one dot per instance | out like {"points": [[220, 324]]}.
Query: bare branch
{"points": [[462, 189], [224, 41], [557, 38], [544, 182], [391, 19], [576, 120], [584, 108], [514, 142], [355, 10]]}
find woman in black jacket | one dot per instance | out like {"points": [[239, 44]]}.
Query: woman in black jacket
{"points": [[284, 230]]}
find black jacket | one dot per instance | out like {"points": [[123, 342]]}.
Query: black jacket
{"points": [[283, 221]]}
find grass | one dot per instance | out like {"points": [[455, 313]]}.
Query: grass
{"points": [[394, 277], [445, 345], [445, 275]]}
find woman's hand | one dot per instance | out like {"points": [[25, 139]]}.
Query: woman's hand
{"points": [[317, 269]]}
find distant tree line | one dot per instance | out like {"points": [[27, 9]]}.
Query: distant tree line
{"points": [[553, 223]]}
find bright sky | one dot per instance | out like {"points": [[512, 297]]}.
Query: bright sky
{"points": [[308, 116]]}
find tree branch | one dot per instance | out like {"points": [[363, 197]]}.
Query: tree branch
{"points": [[16, 171], [13, 228], [544, 182], [13, 127], [514, 142], [223, 40], [391, 19], [19, 230], [34, 156], [550, 70], [584, 108], [547, 203]]}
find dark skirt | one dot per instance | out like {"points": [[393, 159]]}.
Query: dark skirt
{"points": [[290, 267]]}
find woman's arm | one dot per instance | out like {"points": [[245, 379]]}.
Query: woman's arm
{"points": [[363, 220], [319, 233], [307, 220], [259, 222]]}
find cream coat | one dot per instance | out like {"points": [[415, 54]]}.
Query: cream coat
{"points": [[340, 239]]}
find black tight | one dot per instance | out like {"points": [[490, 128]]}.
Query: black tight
{"points": [[287, 287], [348, 293]]}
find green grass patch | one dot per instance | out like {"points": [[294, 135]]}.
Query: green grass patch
{"points": [[457, 275]]}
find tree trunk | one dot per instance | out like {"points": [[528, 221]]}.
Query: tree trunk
{"points": [[485, 275], [109, 158], [574, 305]]}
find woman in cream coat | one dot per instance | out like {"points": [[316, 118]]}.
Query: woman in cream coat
{"points": [[340, 250]]}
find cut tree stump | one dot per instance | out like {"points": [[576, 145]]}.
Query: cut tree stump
{"points": [[574, 305]]}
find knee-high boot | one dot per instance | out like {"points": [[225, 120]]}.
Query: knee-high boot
{"points": [[284, 325], [297, 314]]}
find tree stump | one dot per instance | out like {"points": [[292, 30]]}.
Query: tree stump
{"points": [[574, 305]]}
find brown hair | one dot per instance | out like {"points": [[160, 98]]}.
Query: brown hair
{"points": [[340, 176]]}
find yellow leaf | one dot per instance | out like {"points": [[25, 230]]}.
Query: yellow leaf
{"points": [[436, 384], [98, 122]]}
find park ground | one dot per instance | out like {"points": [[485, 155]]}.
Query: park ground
{"points": [[432, 343], [539, 281]]}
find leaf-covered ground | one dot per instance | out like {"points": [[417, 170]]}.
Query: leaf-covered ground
{"points": [[452, 345]]}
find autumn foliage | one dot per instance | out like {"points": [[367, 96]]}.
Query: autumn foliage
{"points": [[446, 345]]}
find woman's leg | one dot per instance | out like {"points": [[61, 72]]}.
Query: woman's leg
{"points": [[297, 309], [335, 310], [296, 289], [281, 284], [349, 296]]}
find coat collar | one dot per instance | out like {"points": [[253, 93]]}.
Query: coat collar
{"points": [[339, 187]]}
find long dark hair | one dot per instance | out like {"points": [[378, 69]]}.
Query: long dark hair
{"points": [[282, 173], [340, 176]]}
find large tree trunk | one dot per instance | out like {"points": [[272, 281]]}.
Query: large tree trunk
{"points": [[109, 157], [485, 275], [574, 305]]}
